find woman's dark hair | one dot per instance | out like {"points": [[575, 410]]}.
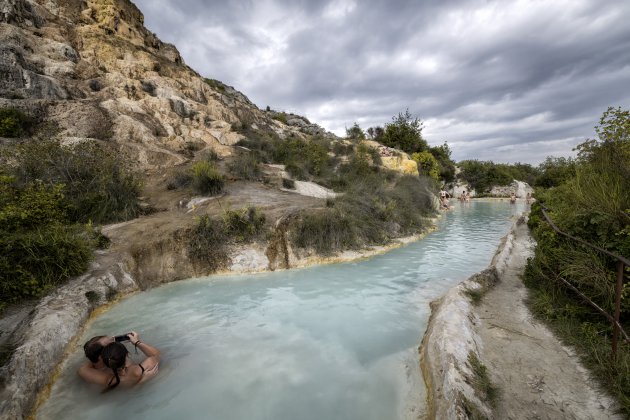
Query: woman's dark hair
{"points": [[114, 356], [93, 348]]}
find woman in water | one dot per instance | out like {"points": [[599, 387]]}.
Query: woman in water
{"points": [[121, 369]]}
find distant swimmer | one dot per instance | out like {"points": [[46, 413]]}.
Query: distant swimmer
{"points": [[444, 202], [513, 198], [528, 198]]}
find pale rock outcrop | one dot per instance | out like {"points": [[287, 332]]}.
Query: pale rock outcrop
{"points": [[93, 69], [401, 164], [451, 338], [519, 188]]}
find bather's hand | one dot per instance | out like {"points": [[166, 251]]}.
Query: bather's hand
{"points": [[133, 337]]}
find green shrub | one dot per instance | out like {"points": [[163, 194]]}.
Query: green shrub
{"points": [[243, 224], [207, 179], [480, 381], [13, 122], [427, 164], [482, 176], [98, 185], [206, 244], [181, 179], [296, 171], [280, 116], [326, 231], [211, 156], [355, 133], [33, 262], [342, 149], [30, 206], [246, 165], [589, 198], [216, 85], [447, 167]]}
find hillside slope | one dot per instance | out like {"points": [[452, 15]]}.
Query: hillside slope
{"points": [[90, 69]]}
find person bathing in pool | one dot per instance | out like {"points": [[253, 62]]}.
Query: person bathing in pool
{"points": [[114, 366]]}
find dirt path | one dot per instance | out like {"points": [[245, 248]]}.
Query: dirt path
{"points": [[538, 377]]}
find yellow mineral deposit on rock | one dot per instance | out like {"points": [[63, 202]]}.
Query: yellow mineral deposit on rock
{"points": [[401, 164]]}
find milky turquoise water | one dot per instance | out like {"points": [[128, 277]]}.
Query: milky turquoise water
{"points": [[329, 342]]}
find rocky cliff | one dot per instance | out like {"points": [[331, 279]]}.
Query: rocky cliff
{"points": [[90, 69]]}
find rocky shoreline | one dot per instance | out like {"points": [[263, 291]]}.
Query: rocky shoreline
{"points": [[43, 335], [484, 355]]}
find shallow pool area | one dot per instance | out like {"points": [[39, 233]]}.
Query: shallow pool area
{"points": [[328, 342]]}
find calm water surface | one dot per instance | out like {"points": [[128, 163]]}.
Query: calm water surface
{"points": [[329, 342]]}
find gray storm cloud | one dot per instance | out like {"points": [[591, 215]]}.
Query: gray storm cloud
{"points": [[504, 81]]}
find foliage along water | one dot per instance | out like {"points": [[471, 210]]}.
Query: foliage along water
{"points": [[328, 342]]}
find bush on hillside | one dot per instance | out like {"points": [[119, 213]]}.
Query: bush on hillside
{"points": [[38, 250], [243, 224], [355, 133], [372, 211], [206, 244], [446, 165], [98, 185], [34, 261], [246, 165], [207, 179], [13, 122], [180, 179]]}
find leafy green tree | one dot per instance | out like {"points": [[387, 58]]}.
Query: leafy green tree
{"points": [[483, 175], [405, 133], [355, 133], [376, 133], [555, 171], [446, 165]]}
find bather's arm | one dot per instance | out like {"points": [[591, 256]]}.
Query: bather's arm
{"points": [[153, 354]]}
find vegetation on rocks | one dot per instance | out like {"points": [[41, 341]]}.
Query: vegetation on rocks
{"points": [[207, 179], [246, 165], [593, 205], [49, 196], [480, 381], [13, 122], [209, 238], [405, 133], [98, 185], [372, 211]]}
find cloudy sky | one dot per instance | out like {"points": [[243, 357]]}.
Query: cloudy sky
{"points": [[505, 80]]}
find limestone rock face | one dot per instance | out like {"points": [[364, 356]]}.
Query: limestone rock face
{"points": [[519, 188], [93, 70]]}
